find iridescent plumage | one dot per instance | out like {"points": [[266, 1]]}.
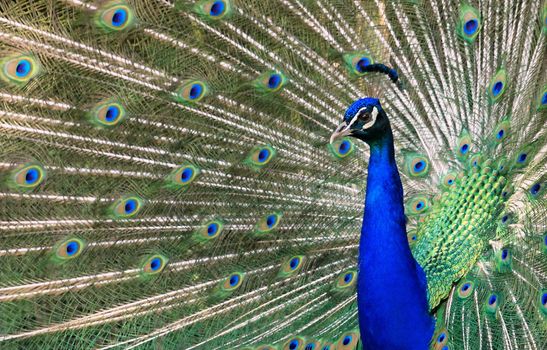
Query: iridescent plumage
{"points": [[167, 181]]}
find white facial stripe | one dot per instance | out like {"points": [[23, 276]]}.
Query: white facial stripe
{"points": [[373, 115], [353, 120]]}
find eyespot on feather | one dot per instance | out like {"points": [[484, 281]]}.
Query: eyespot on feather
{"points": [[503, 260], [502, 130], [464, 144], [498, 85], [327, 346], [542, 98], [191, 91], [536, 190], [19, 69], [183, 176], [210, 230], [524, 156], [270, 81], [294, 343], [449, 179], [291, 265], [348, 341], [347, 279], [232, 282], [355, 61], [154, 264], [440, 339], [417, 205], [115, 16], [27, 176], [542, 301], [475, 160], [341, 148], [268, 223], [492, 303], [469, 23], [126, 207], [260, 156], [412, 237], [214, 9], [107, 114], [415, 165], [465, 289], [68, 249], [312, 344]]}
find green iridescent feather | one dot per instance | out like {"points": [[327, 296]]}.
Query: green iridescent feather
{"points": [[150, 151]]}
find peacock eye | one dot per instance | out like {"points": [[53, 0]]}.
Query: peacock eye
{"points": [[365, 117]]}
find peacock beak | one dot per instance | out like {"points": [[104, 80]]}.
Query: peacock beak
{"points": [[342, 130]]}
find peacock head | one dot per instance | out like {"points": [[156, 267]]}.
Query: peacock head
{"points": [[365, 119]]}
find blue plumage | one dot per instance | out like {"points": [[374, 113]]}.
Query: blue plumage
{"points": [[392, 288]]}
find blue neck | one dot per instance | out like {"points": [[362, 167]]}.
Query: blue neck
{"points": [[392, 288]]}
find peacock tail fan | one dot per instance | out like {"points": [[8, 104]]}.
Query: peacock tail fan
{"points": [[166, 177]]}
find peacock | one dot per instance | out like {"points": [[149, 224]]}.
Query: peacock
{"points": [[190, 174]]}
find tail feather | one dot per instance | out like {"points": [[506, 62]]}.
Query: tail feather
{"points": [[166, 178]]}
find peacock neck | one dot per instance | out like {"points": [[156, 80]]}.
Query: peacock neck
{"points": [[392, 288]]}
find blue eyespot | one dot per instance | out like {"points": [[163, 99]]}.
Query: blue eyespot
{"points": [[522, 157], [263, 155], [544, 299], [504, 219], [362, 63], [471, 27], [271, 220], [420, 205], [186, 174], [450, 182], [119, 17], [155, 264], [344, 147], [414, 237], [504, 254], [274, 81], [326, 347], [347, 339], [500, 134], [112, 113], [445, 347], [130, 206], [465, 287], [496, 89], [419, 166], [309, 347], [293, 344], [23, 68], [217, 8], [464, 148], [544, 99], [212, 229], [441, 337], [535, 189], [195, 91], [72, 248], [294, 263], [492, 300], [348, 277], [234, 280], [32, 176]]}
